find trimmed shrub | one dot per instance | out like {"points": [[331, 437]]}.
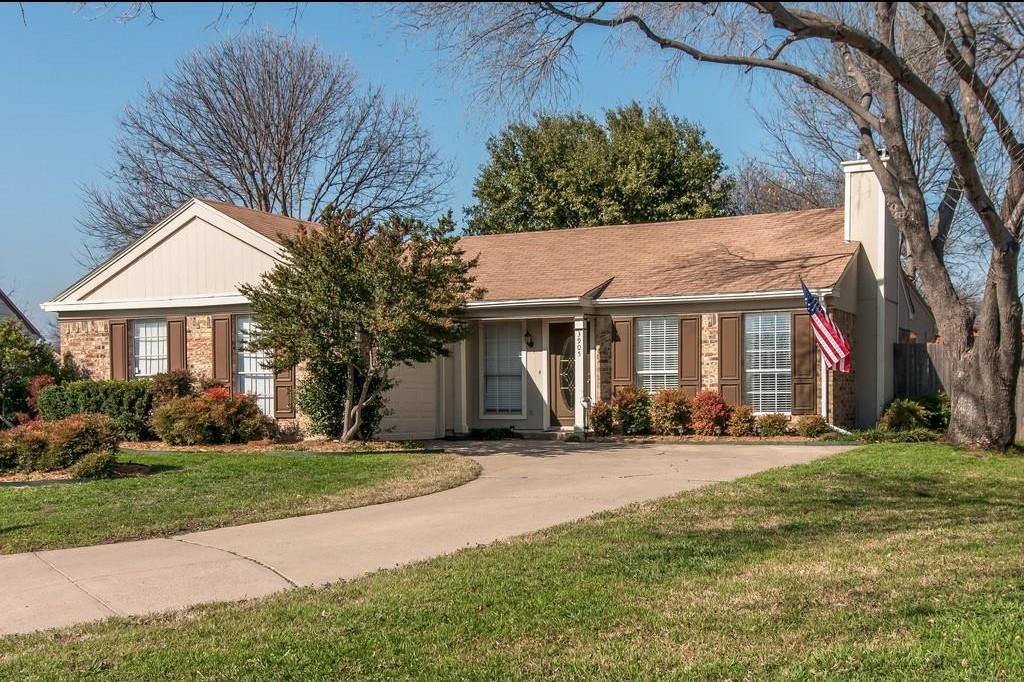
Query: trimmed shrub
{"points": [[127, 403], [904, 415], [98, 464], [710, 414], [742, 422], [50, 446], [938, 407], [670, 412], [812, 426], [212, 418], [632, 411], [772, 425], [602, 418], [177, 383]]}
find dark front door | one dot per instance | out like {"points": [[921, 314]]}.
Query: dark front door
{"points": [[561, 374]]}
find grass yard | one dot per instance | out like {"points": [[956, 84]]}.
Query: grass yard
{"points": [[197, 491], [891, 561]]}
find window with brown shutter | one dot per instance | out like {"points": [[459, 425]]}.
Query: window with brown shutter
{"points": [[803, 364], [223, 335], [689, 354], [118, 349], [730, 357], [176, 346], [284, 388], [622, 353]]}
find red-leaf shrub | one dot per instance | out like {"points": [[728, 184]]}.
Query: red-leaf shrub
{"points": [[50, 446], [670, 412], [176, 383], [35, 385], [215, 417], [602, 418], [742, 422], [710, 414]]}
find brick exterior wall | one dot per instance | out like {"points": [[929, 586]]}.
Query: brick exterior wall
{"points": [[842, 400], [88, 342], [603, 355], [709, 351], [199, 345]]}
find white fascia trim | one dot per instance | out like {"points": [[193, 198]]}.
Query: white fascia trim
{"points": [[697, 298], [573, 300], [144, 303]]}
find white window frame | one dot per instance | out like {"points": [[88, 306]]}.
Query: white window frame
{"points": [[155, 344], [482, 362], [243, 356], [788, 371], [671, 352]]}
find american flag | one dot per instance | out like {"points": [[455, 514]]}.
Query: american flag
{"points": [[830, 340]]}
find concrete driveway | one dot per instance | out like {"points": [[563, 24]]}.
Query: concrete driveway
{"points": [[525, 486]]}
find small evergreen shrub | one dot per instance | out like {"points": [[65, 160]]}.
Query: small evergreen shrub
{"points": [[98, 464], [632, 411], [710, 414], [602, 418], [177, 383], [938, 407], [773, 425], [51, 446], [127, 403], [742, 422], [904, 415], [670, 412], [212, 418], [812, 426]]}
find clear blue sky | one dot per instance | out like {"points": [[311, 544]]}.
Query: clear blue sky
{"points": [[67, 78]]}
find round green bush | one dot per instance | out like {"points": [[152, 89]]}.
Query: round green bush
{"points": [[127, 403], [773, 425], [99, 464], [812, 426], [904, 414], [938, 407], [632, 411], [742, 422], [670, 412]]}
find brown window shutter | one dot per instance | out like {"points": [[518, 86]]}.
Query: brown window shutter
{"points": [[730, 357], [222, 346], [284, 388], [689, 354], [176, 346], [622, 353], [803, 364], [118, 349]]}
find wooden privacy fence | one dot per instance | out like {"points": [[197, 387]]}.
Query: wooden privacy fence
{"points": [[922, 368]]}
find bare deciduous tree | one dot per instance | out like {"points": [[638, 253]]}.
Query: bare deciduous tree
{"points": [[268, 123], [762, 187], [956, 65]]}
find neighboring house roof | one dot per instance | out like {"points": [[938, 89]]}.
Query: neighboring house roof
{"points": [[8, 309], [734, 255], [269, 225]]}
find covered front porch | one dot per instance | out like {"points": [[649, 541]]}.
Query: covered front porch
{"points": [[536, 374]]}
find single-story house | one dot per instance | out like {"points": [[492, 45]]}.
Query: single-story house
{"points": [[9, 309], [567, 314]]}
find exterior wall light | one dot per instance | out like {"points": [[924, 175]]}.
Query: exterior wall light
{"points": [[528, 338]]}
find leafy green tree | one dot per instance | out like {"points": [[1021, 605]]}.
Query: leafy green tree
{"points": [[21, 358], [642, 165], [360, 297]]}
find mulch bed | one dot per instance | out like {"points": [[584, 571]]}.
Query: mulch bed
{"points": [[264, 446]]}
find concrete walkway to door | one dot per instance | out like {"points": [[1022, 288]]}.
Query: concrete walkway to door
{"points": [[525, 486]]}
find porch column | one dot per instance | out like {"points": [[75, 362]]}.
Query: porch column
{"points": [[580, 355]]}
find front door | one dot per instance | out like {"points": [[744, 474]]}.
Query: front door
{"points": [[562, 374]]}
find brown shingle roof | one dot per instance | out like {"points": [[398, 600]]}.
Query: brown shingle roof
{"points": [[270, 225], [734, 255], [712, 256]]}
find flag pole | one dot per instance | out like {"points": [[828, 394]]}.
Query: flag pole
{"points": [[824, 376]]}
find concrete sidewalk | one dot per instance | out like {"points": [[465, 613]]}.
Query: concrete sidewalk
{"points": [[524, 487]]}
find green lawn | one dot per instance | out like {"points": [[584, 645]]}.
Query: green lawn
{"points": [[891, 561], [194, 491]]}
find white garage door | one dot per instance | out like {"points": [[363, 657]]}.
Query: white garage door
{"points": [[414, 402]]}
